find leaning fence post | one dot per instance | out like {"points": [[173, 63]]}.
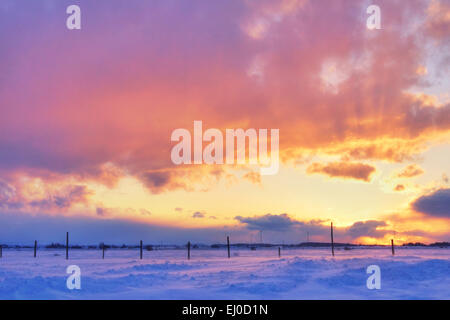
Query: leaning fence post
{"points": [[35, 247], [67, 245], [141, 250], [189, 250], [332, 240], [228, 246], [392, 246]]}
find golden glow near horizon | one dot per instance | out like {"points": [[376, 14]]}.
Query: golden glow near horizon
{"points": [[302, 196]]}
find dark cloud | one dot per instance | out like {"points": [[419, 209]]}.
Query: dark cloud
{"points": [[64, 199], [436, 204], [198, 214], [75, 194], [319, 230], [367, 229], [6, 191], [358, 171], [8, 197], [155, 180], [101, 211], [269, 221]]}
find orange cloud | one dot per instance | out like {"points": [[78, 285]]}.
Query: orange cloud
{"points": [[410, 171], [253, 177], [358, 171]]}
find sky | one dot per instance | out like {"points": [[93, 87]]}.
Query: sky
{"points": [[86, 118]]}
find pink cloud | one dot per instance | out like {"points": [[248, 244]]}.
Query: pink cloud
{"points": [[100, 104]]}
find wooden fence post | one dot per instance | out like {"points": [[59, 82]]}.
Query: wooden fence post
{"points": [[279, 252], [103, 251], [141, 250], [392, 245], [67, 245], [332, 240], [189, 250], [35, 247], [228, 246], [1, 250]]}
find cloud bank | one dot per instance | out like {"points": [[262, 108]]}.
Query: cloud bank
{"points": [[436, 204]]}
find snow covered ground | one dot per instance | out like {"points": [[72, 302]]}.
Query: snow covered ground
{"points": [[166, 274]]}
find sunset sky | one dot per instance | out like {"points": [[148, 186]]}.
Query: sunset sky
{"points": [[86, 118]]}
